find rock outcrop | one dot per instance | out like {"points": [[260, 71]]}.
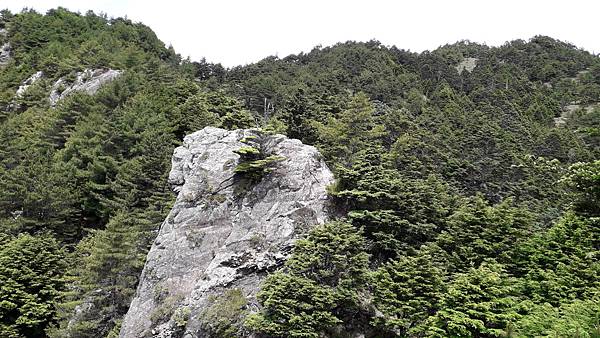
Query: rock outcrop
{"points": [[4, 54], [4, 49], [88, 81], [569, 110], [224, 232], [28, 83], [467, 64]]}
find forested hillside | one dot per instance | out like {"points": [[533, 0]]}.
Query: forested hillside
{"points": [[468, 178]]}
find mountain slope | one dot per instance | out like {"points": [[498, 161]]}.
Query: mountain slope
{"points": [[467, 167], [90, 171]]}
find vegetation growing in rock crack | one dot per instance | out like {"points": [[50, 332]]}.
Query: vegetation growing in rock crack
{"points": [[224, 315], [254, 163]]}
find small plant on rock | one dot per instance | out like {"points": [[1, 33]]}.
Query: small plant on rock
{"points": [[181, 316], [225, 314], [254, 163]]}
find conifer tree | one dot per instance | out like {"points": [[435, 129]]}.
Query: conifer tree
{"points": [[355, 129], [320, 287], [31, 269], [478, 303], [407, 292]]}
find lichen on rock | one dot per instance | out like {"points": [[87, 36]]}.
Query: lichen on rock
{"points": [[226, 232]]}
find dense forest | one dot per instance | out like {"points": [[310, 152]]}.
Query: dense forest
{"points": [[468, 180]]}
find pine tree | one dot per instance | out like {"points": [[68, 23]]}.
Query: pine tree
{"points": [[407, 292], [106, 277], [30, 274], [477, 231], [478, 303], [398, 213], [355, 129], [320, 287]]}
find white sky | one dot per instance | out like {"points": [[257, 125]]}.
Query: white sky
{"points": [[235, 32]]}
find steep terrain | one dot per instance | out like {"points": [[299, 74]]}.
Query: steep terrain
{"points": [[468, 167]]}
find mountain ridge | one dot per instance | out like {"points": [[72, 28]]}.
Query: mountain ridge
{"points": [[484, 179]]}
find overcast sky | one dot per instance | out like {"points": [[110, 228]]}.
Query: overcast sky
{"points": [[235, 32]]}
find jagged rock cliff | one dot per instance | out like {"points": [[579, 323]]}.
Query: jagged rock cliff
{"points": [[224, 232]]}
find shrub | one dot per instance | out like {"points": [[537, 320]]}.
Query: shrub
{"points": [[224, 316]]}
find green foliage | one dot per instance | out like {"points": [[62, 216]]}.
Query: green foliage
{"points": [[321, 286], [168, 308], [477, 231], [92, 171], [294, 307], [407, 291], [580, 318], [30, 277], [254, 163], [105, 276], [211, 109], [584, 179], [247, 152], [257, 168], [480, 302], [354, 129], [560, 264], [225, 314], [438, 172], [397, 213], [181, 316]]}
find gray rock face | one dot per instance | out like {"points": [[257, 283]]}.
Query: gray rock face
{"points": [[27, 83], [467, 64], [570, 109], [4, 54], [88, 81], [4, 49], [222, 232]]}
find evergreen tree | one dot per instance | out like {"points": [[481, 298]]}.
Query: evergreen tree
{"points": [[441, 170], [478, 231], [105, 277], [398, 213], [31, 269], [355, 129], [320, 287], [407, 292], [478, 303]]}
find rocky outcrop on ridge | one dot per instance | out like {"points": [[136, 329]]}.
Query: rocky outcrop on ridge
{"points": [[4, 49], [87, 81]]}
